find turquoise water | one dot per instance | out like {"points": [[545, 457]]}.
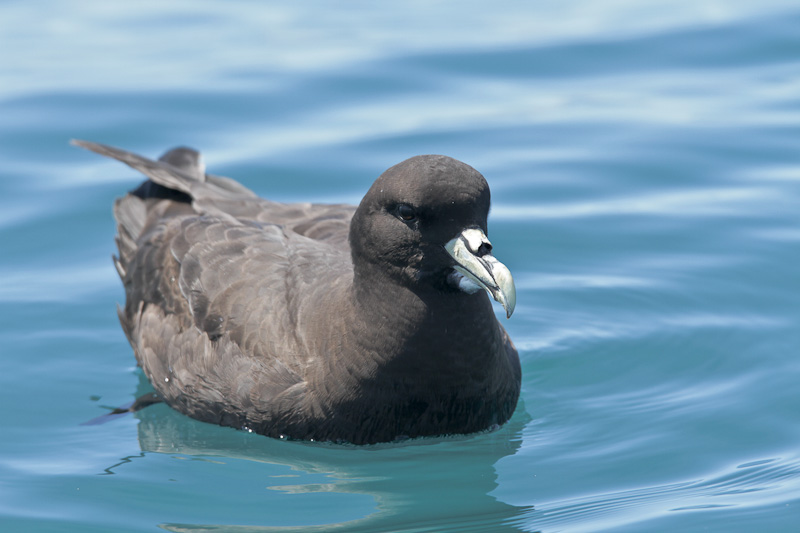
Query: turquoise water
{"points": [[644, 159]]}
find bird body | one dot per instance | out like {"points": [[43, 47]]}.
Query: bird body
{"points": [[317, 322]]}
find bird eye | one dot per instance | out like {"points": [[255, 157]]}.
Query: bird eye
{"points": [[406, 212]]}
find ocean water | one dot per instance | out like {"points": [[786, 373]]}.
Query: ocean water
{"points": [[644, 159]]}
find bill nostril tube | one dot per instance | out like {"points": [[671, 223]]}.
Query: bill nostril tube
{"points": [[484, 249]]}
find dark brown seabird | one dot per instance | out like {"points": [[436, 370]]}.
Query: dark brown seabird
{"points": [[318, 322]]}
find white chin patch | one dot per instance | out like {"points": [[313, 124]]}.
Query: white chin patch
{"points": [[463, 283]]}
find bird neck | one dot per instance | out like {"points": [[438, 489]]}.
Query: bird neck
{"points": [[423, 329]]}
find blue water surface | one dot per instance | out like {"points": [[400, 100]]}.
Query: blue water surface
{"points": [[644, 159]]}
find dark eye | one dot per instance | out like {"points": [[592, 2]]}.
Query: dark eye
{"points": [[406, 212]]}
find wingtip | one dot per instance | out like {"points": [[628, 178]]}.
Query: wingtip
{"points": [[78, 142], [87, 145]]}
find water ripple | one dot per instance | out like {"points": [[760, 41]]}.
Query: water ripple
{"points": [[694, 203], [774, 480]]}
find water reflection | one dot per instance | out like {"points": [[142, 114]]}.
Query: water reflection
{"points": [[443, 484]]}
